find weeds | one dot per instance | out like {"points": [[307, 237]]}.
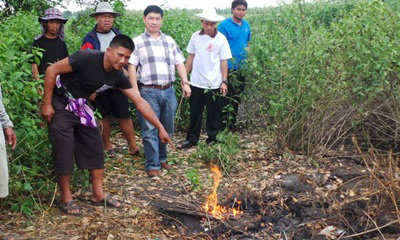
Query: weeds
{"points": [[372, 197], [223, 153], [193, 176]]}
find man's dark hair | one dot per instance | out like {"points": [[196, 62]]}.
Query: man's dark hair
{"points": [[236, 3], [122, 41], [153, 9]]}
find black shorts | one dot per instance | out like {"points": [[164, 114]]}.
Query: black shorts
{"points": [[70, 139], [113, 102]]}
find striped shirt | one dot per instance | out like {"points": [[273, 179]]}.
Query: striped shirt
{"points": [[156, 59]]}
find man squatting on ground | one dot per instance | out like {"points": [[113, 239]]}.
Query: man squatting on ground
{"points": [[237, 31], [72, 128], [157, 55], [208, 55], [112, 101]]}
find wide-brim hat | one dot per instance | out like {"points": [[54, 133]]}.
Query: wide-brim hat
{"points": [[52, 14], [104, 7], [210, 15]]}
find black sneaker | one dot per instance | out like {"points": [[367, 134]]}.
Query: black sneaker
{"points": [[185, 145]]}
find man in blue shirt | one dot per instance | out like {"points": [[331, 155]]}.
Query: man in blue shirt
{"points": [[237, 31]]}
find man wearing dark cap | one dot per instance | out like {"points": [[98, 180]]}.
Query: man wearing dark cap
{"points": [[111, 102]]}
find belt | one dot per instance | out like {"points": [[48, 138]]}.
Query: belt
{"points": [[161, 87]]}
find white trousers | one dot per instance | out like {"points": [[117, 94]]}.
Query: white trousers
{"points": [[3, 166]]}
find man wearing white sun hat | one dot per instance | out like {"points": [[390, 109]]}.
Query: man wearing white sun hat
{"points": [[208, 55]]}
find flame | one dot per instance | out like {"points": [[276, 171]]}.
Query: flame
{"points": [[211, 205]]}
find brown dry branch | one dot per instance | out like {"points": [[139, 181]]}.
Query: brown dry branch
{"points": [[330, 125], [372, 230], [376, 225], [54, 195], [385, 180]]}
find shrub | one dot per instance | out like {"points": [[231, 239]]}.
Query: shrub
{"points": [[30, 164], [307, 71], [223, 153]]}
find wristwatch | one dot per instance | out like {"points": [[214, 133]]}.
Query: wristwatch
{"points": [[225, 81]]}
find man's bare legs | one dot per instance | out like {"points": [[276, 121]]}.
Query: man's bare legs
{"points": [[96, 176], [106, 134], [127, 129], [97, 188], [66, 195]]}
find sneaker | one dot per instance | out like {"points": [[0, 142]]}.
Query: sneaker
{"points": [[185, 145]]}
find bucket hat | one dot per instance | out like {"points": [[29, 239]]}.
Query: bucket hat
{"points": [[104, 7], [52, 14], [210, 15]]}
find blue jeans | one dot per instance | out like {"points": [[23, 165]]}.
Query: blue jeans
{"points": [[163, 103]]}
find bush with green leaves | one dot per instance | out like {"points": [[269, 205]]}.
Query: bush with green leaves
{"points": [[30, 164], [223, 153], [313, 64], [193, 176]]}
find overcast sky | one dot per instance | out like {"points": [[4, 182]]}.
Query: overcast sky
{"points": [[141, 4], [190, 4]]}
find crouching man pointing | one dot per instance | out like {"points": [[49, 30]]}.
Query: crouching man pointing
{"points": [[72, 128]]}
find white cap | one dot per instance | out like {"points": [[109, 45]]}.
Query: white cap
{"points": [[210, 15]]}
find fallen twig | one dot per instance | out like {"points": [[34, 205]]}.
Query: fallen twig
{"points": [[376, 225], [372, 230]]}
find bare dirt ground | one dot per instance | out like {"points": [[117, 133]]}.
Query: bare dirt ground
{"points": [[285, 196]]}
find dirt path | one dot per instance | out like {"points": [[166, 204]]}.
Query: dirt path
{"points": [[287, 196]]}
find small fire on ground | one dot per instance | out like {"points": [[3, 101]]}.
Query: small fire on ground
{"points": [[211, 205]]}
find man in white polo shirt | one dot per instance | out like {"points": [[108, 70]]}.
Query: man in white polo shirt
{"points": [[208, 58]]}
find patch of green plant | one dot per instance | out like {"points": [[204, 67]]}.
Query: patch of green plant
{"points": [[193, 176], [224, 153], [175, 159]]}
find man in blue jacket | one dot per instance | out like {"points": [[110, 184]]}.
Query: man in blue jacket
{"points": [[111, 102], [237, 31]]}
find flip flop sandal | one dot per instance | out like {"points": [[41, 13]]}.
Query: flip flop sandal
{"points": [[109, 201], [67, 207]]}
